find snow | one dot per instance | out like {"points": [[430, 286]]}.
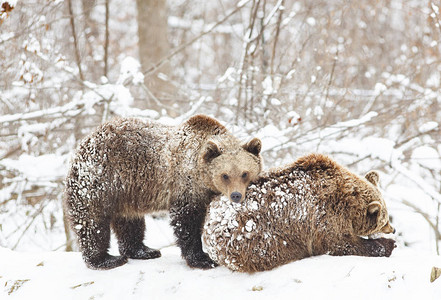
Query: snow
{"points": [[379, 147], [311, 21], [130, 69], [61, 275], [427, 157], [242, 3], [47, 166], [411, 171], [428, 126], [270, 135], [267, 85]]}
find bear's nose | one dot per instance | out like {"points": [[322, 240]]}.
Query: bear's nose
{"points": [[236, 196]]}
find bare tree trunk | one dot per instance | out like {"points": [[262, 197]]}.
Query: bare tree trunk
{"points": [[91, 31], [154, 45], [68, 234]]}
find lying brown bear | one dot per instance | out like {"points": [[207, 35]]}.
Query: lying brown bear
{"points": [[311, 207]]}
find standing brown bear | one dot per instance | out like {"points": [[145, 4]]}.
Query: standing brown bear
{"points": [[129, 167], [311, 207]]}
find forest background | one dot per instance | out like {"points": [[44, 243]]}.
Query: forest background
{"points": [[358, 80]]}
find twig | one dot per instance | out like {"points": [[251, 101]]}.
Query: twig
{"points": [[437, 226], [331, 76], [106, 43], [246, 48], [415, 136], [11, 151], [193, 109], [106, 109], [67, 232], [74, 108], [185, 45], [425, 216], [77, 52], [33, 217], [153, 97], [276, 38], [358, 161], [435, 13], [6, 102]]}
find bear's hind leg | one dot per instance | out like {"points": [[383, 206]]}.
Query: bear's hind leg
{"points": [[94, 242], [130, 235]]}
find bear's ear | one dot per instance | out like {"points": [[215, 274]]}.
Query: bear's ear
{"points": [[374, 207], [373, 177], [211, 151], [254, 146]]}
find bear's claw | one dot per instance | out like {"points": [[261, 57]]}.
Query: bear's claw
{"points": [[201, 261], [388, 244], [105, 262], [142, 253]]}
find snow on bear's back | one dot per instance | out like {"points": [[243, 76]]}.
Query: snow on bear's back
{"points": [[274, 209]]}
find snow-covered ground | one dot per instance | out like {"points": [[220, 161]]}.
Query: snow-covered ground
{"points": [[63, 275]]}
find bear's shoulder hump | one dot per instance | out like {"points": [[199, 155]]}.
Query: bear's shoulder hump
{"points": [[206, 124], [315, 161]]}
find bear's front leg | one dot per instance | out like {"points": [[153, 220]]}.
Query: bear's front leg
{"points": [[187, 219], [381, 247], [130, 235]]}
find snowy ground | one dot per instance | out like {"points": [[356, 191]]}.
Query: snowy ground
{"points": [[61, 275], [58, 275]]}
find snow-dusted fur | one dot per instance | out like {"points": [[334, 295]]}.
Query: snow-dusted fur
{"points": [[129, 167], [311, 207]]}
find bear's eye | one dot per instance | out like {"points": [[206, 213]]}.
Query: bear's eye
{"points": [[245, 175], [225, 177]]}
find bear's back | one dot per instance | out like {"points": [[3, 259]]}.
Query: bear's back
{"points": [[123, 161]]}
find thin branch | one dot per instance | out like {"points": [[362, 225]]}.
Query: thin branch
{"points": [[77, 51], [416, 136], [106, 109], [6, 102], [276, 38], [185, 45], [425, 216], [331, 76], [437, 226], [153, 97], [72, 108], [106, 43], [246, 48], [11, 151], [67, 232], [193, 109], [33, 218]]}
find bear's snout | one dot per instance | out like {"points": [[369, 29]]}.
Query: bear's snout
{"points": [[235, 197], [388, 228]]}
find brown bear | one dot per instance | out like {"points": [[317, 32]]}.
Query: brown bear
{"points": [[311, 207], [129, 167]]}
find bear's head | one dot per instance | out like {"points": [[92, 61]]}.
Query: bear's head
{"points": [[375, 216], [231, 167]]}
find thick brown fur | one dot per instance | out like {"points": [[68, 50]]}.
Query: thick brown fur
{"points": [[311, 207], [130, 167]]}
